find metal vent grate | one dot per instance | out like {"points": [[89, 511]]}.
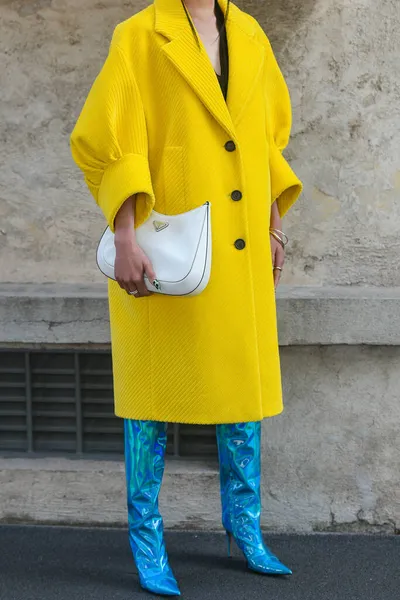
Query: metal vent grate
{"points": [[61, 402]]}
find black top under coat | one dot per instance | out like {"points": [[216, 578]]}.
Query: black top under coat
{"points": [[223, 50]]}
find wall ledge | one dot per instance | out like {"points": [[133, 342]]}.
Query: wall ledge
{"points": [[58, 491], [75, 314]]}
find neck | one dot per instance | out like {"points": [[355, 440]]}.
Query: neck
{"points": [[200, 8]]}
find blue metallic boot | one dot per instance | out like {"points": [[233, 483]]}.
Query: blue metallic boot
{"points": [[239, 446], [145, 444]]}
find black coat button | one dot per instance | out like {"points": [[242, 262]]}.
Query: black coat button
{"points": [[230, 146], [240, 244], [236, 195]]}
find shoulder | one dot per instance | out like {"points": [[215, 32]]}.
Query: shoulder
{"points": [[255, 30], [250, 24], [135, 30]]}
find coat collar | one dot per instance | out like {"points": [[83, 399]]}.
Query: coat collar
{"points": [[245, 59]]}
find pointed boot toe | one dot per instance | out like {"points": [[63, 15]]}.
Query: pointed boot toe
{"points": [[165, 585], [269, 566]]}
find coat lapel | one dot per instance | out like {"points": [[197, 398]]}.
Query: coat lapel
{"points": [[246, 59], [190, 57]]}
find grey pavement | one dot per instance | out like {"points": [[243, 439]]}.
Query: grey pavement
{"points": [[62, 563]]}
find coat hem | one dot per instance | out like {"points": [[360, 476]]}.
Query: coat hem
{"points": [[150, 417]]}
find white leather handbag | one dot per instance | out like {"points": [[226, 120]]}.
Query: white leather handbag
{"points": [[178, 246]]}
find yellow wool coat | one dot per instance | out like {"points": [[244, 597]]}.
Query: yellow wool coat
{"points": [[156, 124]]}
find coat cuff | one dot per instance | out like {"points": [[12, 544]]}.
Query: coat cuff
{"points": [[286, 187], [123, 178]]}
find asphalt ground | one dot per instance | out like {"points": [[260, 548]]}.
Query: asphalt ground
{"points": [[73, 563]]}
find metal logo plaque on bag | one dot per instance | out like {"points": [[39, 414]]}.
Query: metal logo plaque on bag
{"points": [[160, 225]]}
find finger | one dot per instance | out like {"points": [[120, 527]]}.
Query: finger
{"points": [[130, 285], [279, 257], [273, 253], [149, 271], [150, 275], [132, 290], [127, 286], [141, 287], [277, 276], [279, 260], [122, 285]]}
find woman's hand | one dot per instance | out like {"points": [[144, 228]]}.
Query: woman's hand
{"points": [[131, 263], [277, 251], [278, 258]]}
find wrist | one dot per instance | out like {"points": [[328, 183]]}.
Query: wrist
{"points": [[275, 223], [124, 235], [124, 219]]}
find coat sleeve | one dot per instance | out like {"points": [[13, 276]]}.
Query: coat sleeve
{"points": [[109, 141], [285, 185]]}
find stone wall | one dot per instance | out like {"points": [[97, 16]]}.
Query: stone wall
{"points": [[330, 461], [341, 63]]}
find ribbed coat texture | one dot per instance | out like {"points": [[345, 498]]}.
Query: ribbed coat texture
{"points": [[155, 124]]}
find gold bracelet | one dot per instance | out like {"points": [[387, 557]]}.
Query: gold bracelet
{"points": [[276, 236], [285, 238]]}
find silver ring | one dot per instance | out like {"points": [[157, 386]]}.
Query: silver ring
{"points": [[133, 293], [280, 268]]}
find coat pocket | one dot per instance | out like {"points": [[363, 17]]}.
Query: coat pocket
{"points": [[174, 180]]}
